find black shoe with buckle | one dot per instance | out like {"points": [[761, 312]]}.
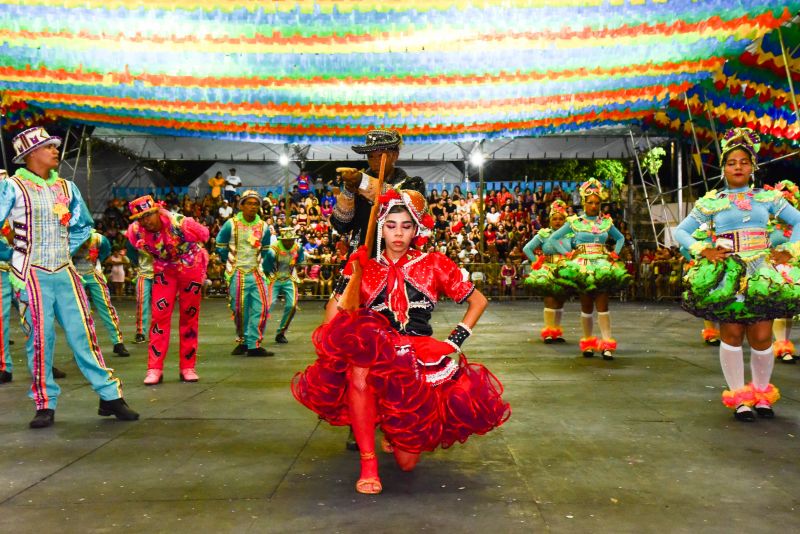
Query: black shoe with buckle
{"points": [[765, 412], [5, 376], [280, 338], [43, 419], [787, 358], [548, 340], [258, 352], [117, 407], [240, 349], [745, 416], [140, 339], [58, 373], [120, 350], [560, 339], [608, 355], [588, 353]]}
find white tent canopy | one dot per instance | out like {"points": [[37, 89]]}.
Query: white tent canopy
{"points": [[110, 170], [274, 176], [258, 163], [610, 145]]}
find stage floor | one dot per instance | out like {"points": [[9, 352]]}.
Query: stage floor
{"points": [[640, 444]]}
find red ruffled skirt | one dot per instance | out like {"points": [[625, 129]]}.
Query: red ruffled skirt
{"points": [[414, 414]]}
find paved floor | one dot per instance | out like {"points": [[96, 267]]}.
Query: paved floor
{"points": [[641, 444]]}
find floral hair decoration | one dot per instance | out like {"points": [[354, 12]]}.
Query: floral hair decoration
{"points": [[592, 186], [741, 138], [558, 207], [416, 205]]}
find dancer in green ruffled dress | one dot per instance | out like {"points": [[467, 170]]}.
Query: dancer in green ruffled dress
{"points": [[541, 279], [710, 332], [740, 280], [779, 233], [592, 271]]}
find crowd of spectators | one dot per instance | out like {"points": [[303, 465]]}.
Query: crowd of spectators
{"points": [[512, 218]]}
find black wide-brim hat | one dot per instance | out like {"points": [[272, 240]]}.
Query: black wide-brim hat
{"points": [[380, 140]]}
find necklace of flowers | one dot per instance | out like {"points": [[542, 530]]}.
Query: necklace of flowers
{"points": [[596, 226], [741, 200]]}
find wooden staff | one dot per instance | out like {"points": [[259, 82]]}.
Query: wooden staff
{"points": [[351, 297]]}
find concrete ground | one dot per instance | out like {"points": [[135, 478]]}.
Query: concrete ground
{"points": [[641, 444]]}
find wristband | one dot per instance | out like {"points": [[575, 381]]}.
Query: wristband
{"points": [[458, 336]]}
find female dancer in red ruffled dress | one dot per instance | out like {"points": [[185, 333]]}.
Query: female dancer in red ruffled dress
{"points": [[379, 365]]}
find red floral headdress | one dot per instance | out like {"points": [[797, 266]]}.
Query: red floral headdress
{"points": [[417, 206]]}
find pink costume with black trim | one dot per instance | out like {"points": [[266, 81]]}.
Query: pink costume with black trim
{"points": [[179, 270], [427, 396]]}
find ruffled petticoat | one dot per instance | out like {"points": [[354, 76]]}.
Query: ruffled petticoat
{"points": [[542, 280], [743, 288], [414, 414], [589, 273]]}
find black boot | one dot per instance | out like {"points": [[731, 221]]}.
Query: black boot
{"points": [[58, 373], [5, 376], [43, 419], [140, 338], [117, 407], [240, 349], [280, 338], [259, 351], [120, 350]]}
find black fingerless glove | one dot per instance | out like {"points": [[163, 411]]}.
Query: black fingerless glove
{"points": [[458, 336]]}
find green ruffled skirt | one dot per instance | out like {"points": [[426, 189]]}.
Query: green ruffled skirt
{"points": [[742, 289], [592, 273], [543, 283]]}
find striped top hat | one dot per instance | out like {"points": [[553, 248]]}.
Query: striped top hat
{"points": [[29, 140]]}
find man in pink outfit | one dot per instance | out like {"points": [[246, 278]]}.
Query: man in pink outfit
{"points": [[179, 269]]}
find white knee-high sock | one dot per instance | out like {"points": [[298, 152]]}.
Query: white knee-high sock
{"points": [[559, 313], [761, 365], [732, 361], [604, 321], [549, 317], [780, 329], [587, 324]]}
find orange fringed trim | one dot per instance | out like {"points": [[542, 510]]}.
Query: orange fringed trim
{"points": [[608, 344], [769, 395], [551, 331], [589, 343], [779, 348], [710, 334], [733, 399]]}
